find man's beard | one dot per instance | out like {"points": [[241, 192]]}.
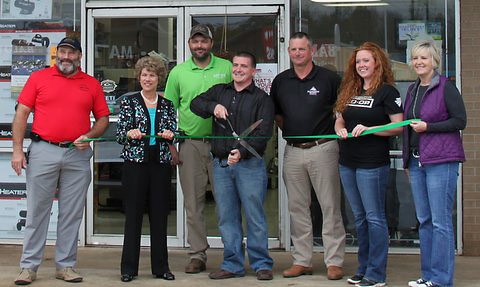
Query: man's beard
{"points": [[67, 70], [202, 57]]}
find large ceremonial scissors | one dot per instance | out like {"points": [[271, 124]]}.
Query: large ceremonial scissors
{"points": [[246, 132]]}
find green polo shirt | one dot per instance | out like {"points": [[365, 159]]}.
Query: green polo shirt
{"points": [[186, 81]]}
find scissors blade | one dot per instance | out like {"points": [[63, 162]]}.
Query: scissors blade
{"points": [[249, 148], [253, 126], [244, 133]]}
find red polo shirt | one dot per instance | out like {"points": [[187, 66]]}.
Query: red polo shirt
{"points": [[62, 106]]}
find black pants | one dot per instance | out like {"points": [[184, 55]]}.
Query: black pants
{"points": [[146, 185]]}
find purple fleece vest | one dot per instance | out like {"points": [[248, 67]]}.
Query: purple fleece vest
{"points": [[433, 147]]}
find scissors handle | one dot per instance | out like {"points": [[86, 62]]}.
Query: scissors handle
{"points": [[231, 127]]}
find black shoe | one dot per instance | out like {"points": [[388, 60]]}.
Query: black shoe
{"points": [[166, 276], [355, 279], [264, 275], [126, 277], [369, 283]]}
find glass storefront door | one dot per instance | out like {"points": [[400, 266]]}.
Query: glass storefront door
{"points": [[239, 29], [116, 39]]}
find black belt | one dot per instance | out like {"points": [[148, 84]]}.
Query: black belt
{"points": [[310, 144], [36, 138]]}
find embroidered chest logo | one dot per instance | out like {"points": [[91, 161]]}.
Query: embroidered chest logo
{"points": [[361, 102], [313, 91], [84, 88], [398, 101], [219, 76]]}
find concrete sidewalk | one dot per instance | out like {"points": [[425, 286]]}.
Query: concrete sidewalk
{"points": [[100, 267]]}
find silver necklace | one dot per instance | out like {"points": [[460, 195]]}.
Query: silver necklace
{"points": [[148, 101], [415, 102]]}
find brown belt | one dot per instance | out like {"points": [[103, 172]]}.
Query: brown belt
{"points": [[310, 144]]}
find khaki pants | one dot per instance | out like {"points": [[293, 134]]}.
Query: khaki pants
{"points": [[317, 166], [195, 173], [50, 167]]}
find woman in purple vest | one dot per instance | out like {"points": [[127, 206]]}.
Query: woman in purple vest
{"points": [[432, 151]]}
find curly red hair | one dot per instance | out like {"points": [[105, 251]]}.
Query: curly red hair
{"points": [[352, 83]]}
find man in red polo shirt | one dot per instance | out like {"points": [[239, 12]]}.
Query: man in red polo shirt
{"points": [[62, 98]]}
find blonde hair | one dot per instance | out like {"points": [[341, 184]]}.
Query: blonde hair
{"points": [[431, 48]]}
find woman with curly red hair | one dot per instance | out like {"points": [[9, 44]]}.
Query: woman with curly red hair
{"points": [[367, 99]]}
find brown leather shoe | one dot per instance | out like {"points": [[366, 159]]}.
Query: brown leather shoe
{"points": [[334, 272], [195, 266], [297, 270], [264, 274], [223, 274]]}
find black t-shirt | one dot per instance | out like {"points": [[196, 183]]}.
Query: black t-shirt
{"points": [[306, 105], [369, 151], [411, 114]]}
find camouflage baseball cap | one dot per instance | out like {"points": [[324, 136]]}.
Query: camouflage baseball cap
{"points": [[201, 29]]}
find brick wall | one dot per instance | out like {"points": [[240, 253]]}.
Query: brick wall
{"points": [[470, 75]]}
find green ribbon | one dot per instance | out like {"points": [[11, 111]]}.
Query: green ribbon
{"points": [[329, 136], [366, 132]]}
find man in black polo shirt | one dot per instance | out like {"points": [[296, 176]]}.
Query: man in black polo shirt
{"points": [[239, 178], [304, 97]]}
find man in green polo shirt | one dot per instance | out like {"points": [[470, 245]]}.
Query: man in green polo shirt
{"points": [[185, 82]]}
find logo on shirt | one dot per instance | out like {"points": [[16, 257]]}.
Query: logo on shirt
{"points": [[361, 102], [219, 76], [84, 88], [313, 91], [398, 101]]}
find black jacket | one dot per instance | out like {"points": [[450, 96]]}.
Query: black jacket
{"points": [[134, 114], [244, 108]]}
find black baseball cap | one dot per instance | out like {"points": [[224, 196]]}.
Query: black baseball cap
{"points": [[70, 42], [201, 29]]}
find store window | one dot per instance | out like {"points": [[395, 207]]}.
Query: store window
{"points": [[338, 28], [29, 32]]}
